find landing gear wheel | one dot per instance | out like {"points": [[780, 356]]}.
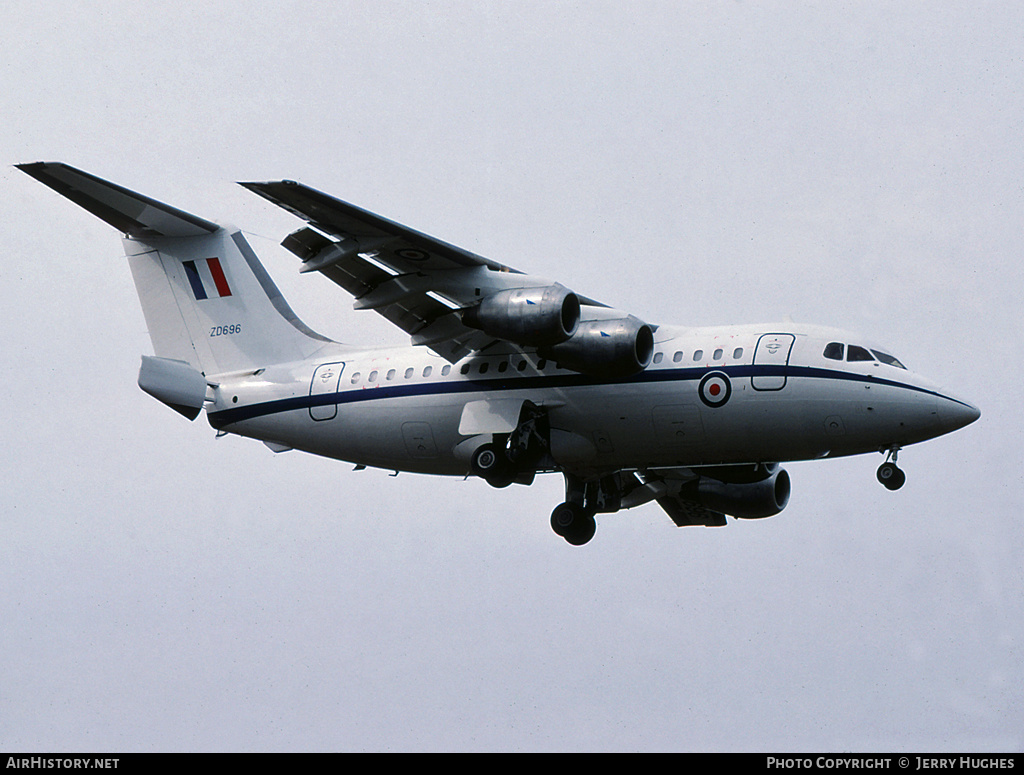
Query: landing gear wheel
{"points": [[891, 476], [573, 523], [491, 464], [563, 516]]}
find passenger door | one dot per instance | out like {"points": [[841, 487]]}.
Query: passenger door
{"points": [[771, 361], [325, 383]]}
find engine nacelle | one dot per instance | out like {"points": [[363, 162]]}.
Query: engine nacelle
{"points": [[533, 317], [743, 500], [606, 348]]}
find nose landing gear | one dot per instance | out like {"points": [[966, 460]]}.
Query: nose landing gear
{"points": [[889, 474]]}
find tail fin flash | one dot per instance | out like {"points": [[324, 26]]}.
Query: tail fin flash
{"points": [[207, 299]]}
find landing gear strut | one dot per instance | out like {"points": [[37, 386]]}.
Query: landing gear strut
{"points": [[889, 474]]}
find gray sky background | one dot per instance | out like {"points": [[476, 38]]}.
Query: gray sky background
{"points": [[849, 164]]}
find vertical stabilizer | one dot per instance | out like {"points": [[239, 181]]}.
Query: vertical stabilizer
{"points": [[206, 298]]}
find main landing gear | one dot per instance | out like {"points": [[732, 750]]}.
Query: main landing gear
{"points": [[491, 463], [889, 474], [514, 458], [573, 520]]}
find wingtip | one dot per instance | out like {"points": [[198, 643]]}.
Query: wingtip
{"points": [[255, 185], [31, 167], [31, 164]]}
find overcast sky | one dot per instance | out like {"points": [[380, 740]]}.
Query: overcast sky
{"points": [[849, 164]]}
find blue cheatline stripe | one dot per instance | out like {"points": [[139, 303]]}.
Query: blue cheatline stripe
{"points": [[194, 280], [226, 417]]}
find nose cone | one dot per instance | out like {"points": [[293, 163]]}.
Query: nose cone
{"points": [[955, 413]]}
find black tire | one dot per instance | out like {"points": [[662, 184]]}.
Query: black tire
{"points": [[572, 522], [563, 518], [486, 460], [500, 479], [492, 464], [582, 532], [890, 475]]}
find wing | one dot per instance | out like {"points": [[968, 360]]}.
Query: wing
{"points": [[674, 489], [686, 513], [419, 283], [704, 495]]}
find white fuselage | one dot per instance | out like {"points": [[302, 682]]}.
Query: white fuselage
{"points": [[724, 395]]}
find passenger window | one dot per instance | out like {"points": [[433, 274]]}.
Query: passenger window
{"points": [[677, 357], [737, 353], [391, 374], [503, 366], [833, 351], [483, 367], [408, 373], [446, 370], [658, 357], [373, 376], [698, 355], [855, 353], [718, 355], [427, 370], [355, 378], [541, 364], [521, 365], [464, 369]]}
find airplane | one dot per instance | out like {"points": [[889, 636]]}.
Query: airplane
{"points": [[508, 375]]}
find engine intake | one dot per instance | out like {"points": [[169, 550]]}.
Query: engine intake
{"points": [[743, 500], [606, 348], [533, 317]]}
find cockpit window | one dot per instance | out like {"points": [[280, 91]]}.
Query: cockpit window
{"points": [[888, 359], [855, 353], [834, 351]]}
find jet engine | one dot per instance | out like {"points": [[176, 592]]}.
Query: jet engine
{"points": [[606, 348], [742, 499], [533, 317]]}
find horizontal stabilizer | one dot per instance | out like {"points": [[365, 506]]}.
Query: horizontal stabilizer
{"points": [[128, 212], [174, 383]]}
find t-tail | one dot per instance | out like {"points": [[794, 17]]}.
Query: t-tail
{"points": [[210, 306]]}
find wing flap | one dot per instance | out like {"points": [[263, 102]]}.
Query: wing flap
{"points": [[407, 248], [415, 281]]}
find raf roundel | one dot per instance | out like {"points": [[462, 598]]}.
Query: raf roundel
{"points": [[715, 389]]}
